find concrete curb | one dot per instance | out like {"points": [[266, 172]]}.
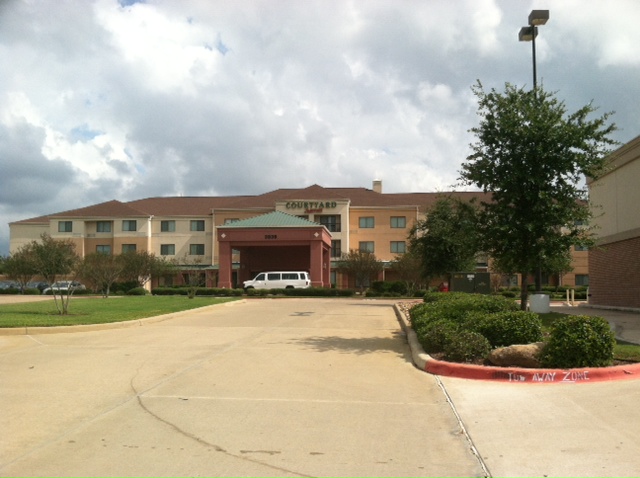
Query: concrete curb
{"points": [[71, 329], [425, 362]]}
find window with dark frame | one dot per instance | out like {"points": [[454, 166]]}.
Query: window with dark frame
{"points": [[367, 222], [103, 226], [398, 222], [336, 248], [197, 225], [366, 246], [398, 247], [167, 226], [167, 249], [582, 279], [196, 249], [65, 226], [129, 225], [128, 248], [103, 249], [330, 221]]}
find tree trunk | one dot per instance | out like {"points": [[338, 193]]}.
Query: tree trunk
{"points": [[524, 291]]}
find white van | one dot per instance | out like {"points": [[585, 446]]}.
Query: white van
{"points": [[279, 280]]}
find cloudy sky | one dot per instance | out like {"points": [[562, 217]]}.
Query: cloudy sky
{"points": [[108, 99]]}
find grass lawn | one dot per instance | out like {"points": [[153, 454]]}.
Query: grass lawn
{"points": [[98, 310], [622, 351]]}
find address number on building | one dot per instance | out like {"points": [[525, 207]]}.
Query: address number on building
{"points": [[271, 236]]}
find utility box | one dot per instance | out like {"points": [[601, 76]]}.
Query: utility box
{"points": [[472, 282]]}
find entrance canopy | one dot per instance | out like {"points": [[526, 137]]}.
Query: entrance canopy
{"points": [[275, 242]]}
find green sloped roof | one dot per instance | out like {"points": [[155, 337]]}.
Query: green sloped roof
{"points": [[272, 219]]}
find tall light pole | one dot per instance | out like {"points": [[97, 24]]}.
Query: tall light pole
{"points": [[529, 33]]}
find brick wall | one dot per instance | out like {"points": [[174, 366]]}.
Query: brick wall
{"points": [[614, 274]]}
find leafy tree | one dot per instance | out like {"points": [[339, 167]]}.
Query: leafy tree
{"points": [[532, 156], [193, 274], [53, 258], [409, 269], [102, 270], [447, 240], [361, 265], [21, 265], [140, 266]]}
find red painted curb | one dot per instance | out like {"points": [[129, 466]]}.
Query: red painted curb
{"points": [[540, 375]]}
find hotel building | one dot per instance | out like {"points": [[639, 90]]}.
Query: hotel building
{"points": [[235, 237]]}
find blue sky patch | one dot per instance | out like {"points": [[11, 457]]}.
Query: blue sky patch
{"points": [[83, 134]]}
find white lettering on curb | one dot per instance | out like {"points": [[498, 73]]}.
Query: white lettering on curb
{"points": [[544, 377], [575, 376], [568, 376]]}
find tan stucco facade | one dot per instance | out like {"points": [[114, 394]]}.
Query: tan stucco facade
{"points": [[184, 229], [614, 266]]}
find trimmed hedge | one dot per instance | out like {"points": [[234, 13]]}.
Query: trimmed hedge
{"points": [[442, 323], [201, 291], [464, 327], [309, 292], [579, 341], [468, 346], [137, 291], [212, 291], [506, 328]]}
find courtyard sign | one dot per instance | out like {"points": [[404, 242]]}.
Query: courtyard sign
{"points": [[316, 205]]}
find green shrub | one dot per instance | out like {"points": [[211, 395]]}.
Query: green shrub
{"points": [[137, 291], [466, 347], [434, 336], [579, 341], [506, 328], [123, 287]]}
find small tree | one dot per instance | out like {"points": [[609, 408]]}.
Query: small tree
{"points": [[361, 265], [532, 156], [53, 258], [3, 262], [408, 266], [101, 271], [192, 274], [21, 266], [447, 240], [140, 266]]}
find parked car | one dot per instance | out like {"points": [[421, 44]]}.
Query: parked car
{"points": [[9, 284], [279, 280], [38, 285], [64, 286]]}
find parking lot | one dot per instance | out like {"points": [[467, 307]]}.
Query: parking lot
{"points": [[290, 387]]}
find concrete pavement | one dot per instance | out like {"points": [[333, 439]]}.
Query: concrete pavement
{"points": [[296, 387]]}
